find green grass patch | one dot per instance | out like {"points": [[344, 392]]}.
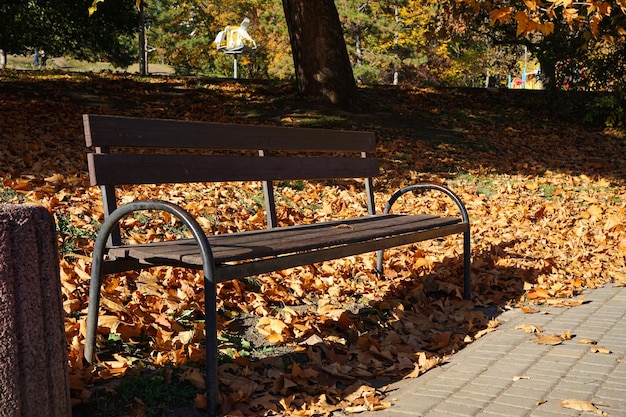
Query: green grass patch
{"points": [[8, 195], [71, 235], [484, 185], [149, 394], [547, 191]]}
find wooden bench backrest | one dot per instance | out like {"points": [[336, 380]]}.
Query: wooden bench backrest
{"points": [[279, 153], [105, 168]]}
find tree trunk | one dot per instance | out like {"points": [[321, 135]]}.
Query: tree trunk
{"points": [[322, 65], [548, 69]]}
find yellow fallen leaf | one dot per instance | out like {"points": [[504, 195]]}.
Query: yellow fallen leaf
{"points": [[600, 349], [483, 332], [595, 212], [529, 328], [569, 302], [580, 405], [587, 342]]}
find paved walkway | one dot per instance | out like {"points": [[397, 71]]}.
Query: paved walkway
{"points": [[484, 378]]}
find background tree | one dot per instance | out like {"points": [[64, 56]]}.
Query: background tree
{"points": [[63, 27], [183, 32], [558, 33], [322, 66]]}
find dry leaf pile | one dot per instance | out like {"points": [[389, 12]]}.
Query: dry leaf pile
{"points": [[546, 199]]}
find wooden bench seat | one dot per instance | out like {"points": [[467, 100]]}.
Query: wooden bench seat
{"points": [[238, 255], [133, 151]]}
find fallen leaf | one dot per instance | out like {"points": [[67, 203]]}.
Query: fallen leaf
{"points": [[580, 405], [548, 339], [600, 349], [529, 328], [587, 342], [194, 376]]}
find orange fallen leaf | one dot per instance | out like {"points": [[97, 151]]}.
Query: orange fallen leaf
{"points": [[548, 339]]}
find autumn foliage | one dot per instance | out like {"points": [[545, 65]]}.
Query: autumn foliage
{"points": [[545, 194]]}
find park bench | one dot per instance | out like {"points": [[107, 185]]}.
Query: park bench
{"points": [[120, 156]]}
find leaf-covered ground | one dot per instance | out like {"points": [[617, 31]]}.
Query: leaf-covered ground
{"points": [[545, 193]]}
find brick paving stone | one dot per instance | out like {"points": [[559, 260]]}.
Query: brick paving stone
{"points": [[462, 369], [516, 401], [538, 383], [478, 393], [456, 409], [491, 390], [582, 387], [611, 394], [418, 404], [559, 394], [506, 410], [526, 392], [471, 403], [488, 381]]}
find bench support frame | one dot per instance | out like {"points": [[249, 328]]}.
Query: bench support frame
{"points": [[210, 300], [111, 226], [466, 234]]}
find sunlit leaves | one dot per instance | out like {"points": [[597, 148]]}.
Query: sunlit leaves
{"points": [[545, 226], [94, 6], [502, 15]]}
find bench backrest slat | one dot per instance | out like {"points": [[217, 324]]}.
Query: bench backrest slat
{"points": [[110, 131], [129, 150], [113, 169]]}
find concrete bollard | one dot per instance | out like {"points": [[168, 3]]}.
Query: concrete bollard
{"points": [[33, 349]]}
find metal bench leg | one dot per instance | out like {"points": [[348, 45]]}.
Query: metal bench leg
{"points": [[379, 262], [467, 263], [210, 329], [94, 297]]}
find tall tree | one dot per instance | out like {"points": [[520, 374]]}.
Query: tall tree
{"points": [[322, 66]]}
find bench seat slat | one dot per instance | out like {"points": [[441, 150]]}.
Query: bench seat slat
{"points": [[107, 131], [115, 169], [294, 239]]}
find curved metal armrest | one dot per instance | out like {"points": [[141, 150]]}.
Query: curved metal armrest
{"points": [[209, 283], [428, 186], [464, 217]]}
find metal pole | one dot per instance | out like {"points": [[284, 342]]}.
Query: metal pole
{"points": [[143, 61], [235, 66], [525, 61]]}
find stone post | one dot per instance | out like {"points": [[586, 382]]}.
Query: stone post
{"points": [[33, 349]]}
